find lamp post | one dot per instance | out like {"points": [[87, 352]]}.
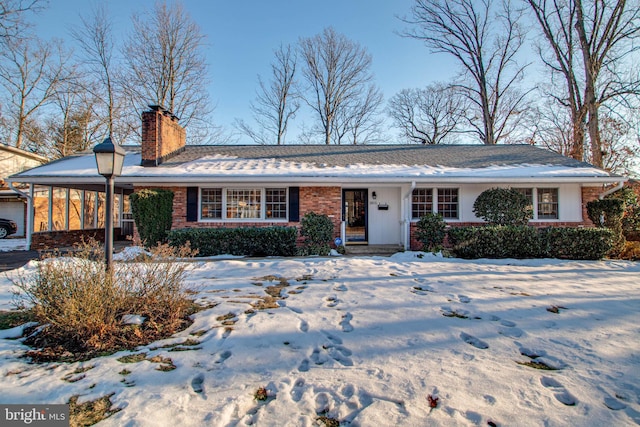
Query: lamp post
{"points": [[109, 159]]}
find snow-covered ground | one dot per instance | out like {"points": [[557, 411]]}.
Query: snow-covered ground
{"points": [[367, 340], [12, 245]]}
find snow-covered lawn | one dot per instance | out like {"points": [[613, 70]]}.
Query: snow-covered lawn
{"points": [[367, 340]]}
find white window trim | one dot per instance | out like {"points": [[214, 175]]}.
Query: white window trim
{"points": [[435, 200], [534, 201], [263, 203]]}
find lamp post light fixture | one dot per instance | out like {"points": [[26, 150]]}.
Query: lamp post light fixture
{"points": [[109, 159]]}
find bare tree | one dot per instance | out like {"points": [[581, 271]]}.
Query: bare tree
{"points": [[12, 14], [77, 120], [589, 44], [485, 40], [360, 119], [276, 102], [95, 38], [338, 73], [166, 65], [30, 72], [429, 115]]}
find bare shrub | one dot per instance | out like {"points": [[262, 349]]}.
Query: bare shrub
{"points": [[80, 307]]}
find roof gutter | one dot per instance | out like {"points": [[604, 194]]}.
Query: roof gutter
{"points": [[29, 228], [612, 190], [318, 180]]}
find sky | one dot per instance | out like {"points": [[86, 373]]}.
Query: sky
{"points": [[460, 331], [242, 36]]}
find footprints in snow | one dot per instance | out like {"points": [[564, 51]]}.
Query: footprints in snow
{"points": [[332, 348], [476, 342], [222, 356], [196, 383], [303, 326], [345, 323], [560, 393]]}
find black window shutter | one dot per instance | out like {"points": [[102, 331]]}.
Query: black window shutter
{"points": [[192, 204], [294, 204]]}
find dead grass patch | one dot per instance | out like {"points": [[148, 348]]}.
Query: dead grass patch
{"points": [[12, 318], [132, 358], [165, 364], [536, 364], [328, 421], [454, 313], [90, 413], [224, 317], [556, 309]]}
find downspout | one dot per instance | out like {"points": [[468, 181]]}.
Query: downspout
{"points": [[611, 190], [407, 219], [29, 226]]}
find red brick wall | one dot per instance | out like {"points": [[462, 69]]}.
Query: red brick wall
{"points": [[161, 135], [589, 194], [58, 239], [323, 201], [320, 200]]}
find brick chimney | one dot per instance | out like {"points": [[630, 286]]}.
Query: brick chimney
{"points": [[162, 136]]}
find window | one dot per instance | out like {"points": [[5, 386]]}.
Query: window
{"points": [[211, 203], [547, 203], [526, 192], [276, 203], [421, 202], [448, 202], [243, 203]]}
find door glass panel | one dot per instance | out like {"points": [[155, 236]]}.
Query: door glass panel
{"points": [[355, 215]]}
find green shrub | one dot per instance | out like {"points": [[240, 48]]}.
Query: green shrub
{"points": [[495, 242], [502, 206], [153, 214], [631, 216], [247, 241], [317, 231], [529, 242], [81, 307], [608, 213], [577, 243], [431, 231]]}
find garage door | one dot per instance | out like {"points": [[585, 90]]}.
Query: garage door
{"points": [[14, 211]]}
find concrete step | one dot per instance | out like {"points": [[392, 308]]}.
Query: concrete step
{"points": [[367, 250]]}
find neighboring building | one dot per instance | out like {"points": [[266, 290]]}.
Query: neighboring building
{"points": [[12, 203], [374, 194]]}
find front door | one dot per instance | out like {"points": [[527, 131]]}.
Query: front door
{"points": [[354, 214]]}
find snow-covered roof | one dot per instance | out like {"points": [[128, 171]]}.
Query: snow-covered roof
{"points": [[324, 164]]}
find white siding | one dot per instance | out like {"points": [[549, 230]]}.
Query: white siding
{"points": [[569, 199]]}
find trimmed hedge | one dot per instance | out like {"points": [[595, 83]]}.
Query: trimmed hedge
{"points": [[577, 243], [153, 214], [495, 241], [530, 242], [247, 241], [317, 231]]}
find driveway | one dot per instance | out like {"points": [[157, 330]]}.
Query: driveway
{"points": [[13, 254]]}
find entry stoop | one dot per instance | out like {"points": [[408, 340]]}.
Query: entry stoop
{"points": [[369, 250]]}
